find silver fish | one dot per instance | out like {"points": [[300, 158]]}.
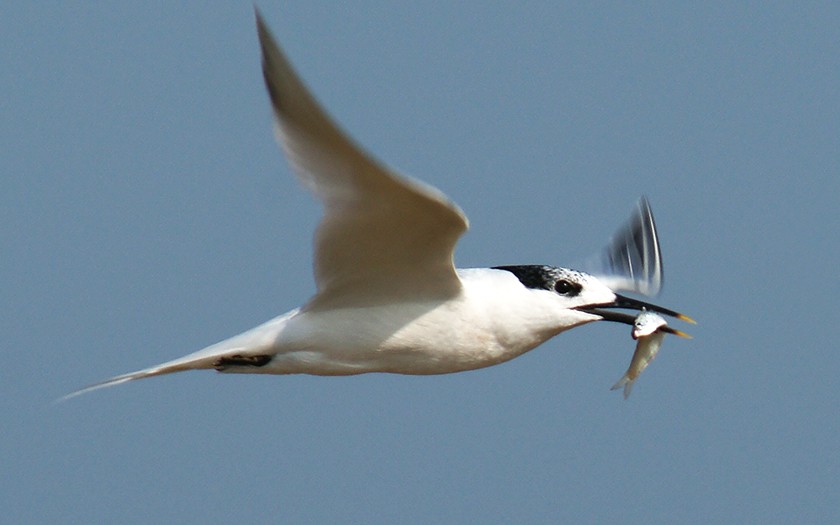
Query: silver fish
{"points": [[649, 330]]}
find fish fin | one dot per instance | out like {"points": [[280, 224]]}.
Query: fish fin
{"points": [[626, 382]]}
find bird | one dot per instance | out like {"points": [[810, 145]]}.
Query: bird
{"points": [[388, 296]]}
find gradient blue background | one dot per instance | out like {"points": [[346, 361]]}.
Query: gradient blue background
{"points": [[145, 212]]}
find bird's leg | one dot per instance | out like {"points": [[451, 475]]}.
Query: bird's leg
{"points": [[241, 360]]}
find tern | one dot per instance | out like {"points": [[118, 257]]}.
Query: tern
{"points": [[389, 298]]}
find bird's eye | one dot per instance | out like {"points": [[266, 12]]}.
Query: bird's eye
{"points": [[564, 287]]}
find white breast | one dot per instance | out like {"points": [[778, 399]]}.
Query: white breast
{"points": [[494, 319]]}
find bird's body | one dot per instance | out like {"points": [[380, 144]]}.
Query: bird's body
{"points": [[389, 298], [431, 336], [491, 319]]}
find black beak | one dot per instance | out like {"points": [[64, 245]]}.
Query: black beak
{"points": [[634, 304]]}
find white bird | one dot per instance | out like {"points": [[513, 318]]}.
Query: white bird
{"points": [[389, 298]]}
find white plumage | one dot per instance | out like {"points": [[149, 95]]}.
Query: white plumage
{"points": [[389, 298]]}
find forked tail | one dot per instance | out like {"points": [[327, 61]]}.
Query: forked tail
{"points": [[625, 382]]}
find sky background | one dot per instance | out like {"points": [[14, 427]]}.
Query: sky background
{"points": [[146, 212]]}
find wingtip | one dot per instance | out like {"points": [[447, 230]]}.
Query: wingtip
{"points": [[644, 205], [120, 379], [96, 386], [261, 27], [263, 32]]}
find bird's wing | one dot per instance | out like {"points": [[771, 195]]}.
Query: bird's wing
{"points": [[382, 235], [631, 261]]}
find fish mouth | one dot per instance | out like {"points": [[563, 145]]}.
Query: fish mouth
{"points": [[628, 303]]}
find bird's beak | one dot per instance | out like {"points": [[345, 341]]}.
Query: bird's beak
{"points": [[634, 304]]}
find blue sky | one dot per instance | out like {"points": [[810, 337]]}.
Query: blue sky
{"points": [[146, 212]]}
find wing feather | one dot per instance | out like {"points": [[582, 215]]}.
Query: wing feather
{"points": [[382, 235], [632, 260]]}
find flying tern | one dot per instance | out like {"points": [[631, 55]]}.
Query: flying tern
{"points": [[389, 298]]}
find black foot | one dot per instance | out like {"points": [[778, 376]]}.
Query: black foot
{"points": [[241, 360]]}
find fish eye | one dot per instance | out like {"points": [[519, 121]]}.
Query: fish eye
{"points": [[564, 287]]}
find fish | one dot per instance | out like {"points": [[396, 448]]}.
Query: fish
{"points": [[649, 329]]}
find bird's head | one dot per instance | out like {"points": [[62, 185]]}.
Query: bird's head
{"points": [[586, 297]]}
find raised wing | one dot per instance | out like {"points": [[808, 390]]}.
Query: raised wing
{"points": [[631, 261], [383, 236]]}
